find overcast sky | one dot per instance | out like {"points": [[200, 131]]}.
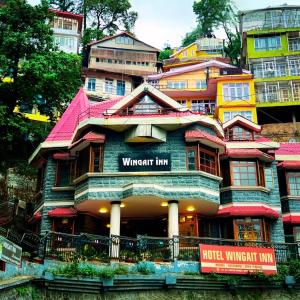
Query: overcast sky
{"points": [[167, 21]]}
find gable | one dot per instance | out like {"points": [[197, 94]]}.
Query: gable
{"points": [[143, 96], [124, 41], [242, 122]]}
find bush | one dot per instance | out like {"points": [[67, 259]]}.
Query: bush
{"points": [[121, 270], [145, 268]]}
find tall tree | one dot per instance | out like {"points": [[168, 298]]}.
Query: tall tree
{"points": [[107, 16], [63, 5], [32, 73]]}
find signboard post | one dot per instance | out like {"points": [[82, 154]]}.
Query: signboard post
{"points": [[10, 252], [139, 162], [237, 260]]}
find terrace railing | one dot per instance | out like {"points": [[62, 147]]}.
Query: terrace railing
{"points": [[66, 247]]}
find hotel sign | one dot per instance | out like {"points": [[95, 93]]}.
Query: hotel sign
{"points": [[131, 162], [10, 252], [237, 260]]}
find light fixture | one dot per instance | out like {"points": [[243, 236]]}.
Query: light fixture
{"points": [[103, 210], [189, 217], [107, 225], [122, 205], [164, 204], [190, 208]]}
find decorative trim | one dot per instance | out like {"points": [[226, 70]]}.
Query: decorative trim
{"points": [[162, 173], [59, 203], [245, 188], [290, 197], [62, 188]]}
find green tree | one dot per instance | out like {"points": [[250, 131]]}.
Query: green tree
{"points": [[32, 74], [165, 53], [192, 36], [107, 16], [63, 5]]}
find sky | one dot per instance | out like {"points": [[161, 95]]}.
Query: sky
{"points": [[163, 22]]}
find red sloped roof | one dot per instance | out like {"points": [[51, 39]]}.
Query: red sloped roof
{"points": [[192, 135], [288, 149], [291, 219], [61, 155], [248, 153], [291, 165], [90, 137], [247, 210], [62, 212], [37, 216]]}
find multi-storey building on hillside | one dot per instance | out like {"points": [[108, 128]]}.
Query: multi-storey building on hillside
{"points": [[210, 88], [201, 50], [117, 65], [67, 29], [271, 50]]}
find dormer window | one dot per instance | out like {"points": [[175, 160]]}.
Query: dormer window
{"points": [[238, 133], [146, 106]]}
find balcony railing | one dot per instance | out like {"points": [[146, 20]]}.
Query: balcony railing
{"points": [[281, 94], [90, 247], [280, 70]]}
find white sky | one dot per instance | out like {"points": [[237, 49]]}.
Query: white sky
{"points": [[167, 21]]}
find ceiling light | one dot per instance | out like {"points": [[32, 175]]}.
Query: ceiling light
{"points": [[103, 210], [190, 208], [164, 204], [122, 205], [107, 225], [189, 217]]}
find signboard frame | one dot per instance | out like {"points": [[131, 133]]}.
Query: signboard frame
{"points": [[237, 260], [10, 252]]}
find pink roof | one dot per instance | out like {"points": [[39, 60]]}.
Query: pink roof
{"points": [[291, 219], [192, 135], [64, 128], [248, 153], [181, 70], [62, 212], [288, 149], [90, 137], [290, 164], [248, 210]]}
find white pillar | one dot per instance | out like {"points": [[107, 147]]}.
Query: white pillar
{"points": [[115, 221], [173, 225], [115, 218]]}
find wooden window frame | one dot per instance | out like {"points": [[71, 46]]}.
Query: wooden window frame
{"points": [[72, 169], [264, 228], [92, 157], [245, 161], [231, 137], [198, 150], [287, 176]]}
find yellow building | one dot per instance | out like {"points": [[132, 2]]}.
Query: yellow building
{"points": [[201, 50], [210, 88]]}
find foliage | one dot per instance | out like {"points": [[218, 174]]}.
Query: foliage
{"points": [[121, 270], [145, 268], [165, 54], [106, 17], [63, 5], [214, 14], [23, 291]]}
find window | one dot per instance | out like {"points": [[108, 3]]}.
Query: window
{"points": [[124, 40], [176, 84], [64, 172], [201, 159], [97, 59], [40, 179], [109, 85], [267, 43], [228, 115], [96, 163], [243, 173], [120, 87], [293, 180], [184, 53], [269, 179], [294, 67], [236, 91], [237, 133], [250, 229], [146, 106], [203, 106], [201, 84], [182, 102], [64, 41], [92, 84]]}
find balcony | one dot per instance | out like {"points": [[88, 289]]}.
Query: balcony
{"points": [[278, 92]]}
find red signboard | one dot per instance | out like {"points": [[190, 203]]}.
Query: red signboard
{"points": [[237, 260]]}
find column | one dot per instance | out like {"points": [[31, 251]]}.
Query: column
{"points": [[115, 220], [173, 227]]}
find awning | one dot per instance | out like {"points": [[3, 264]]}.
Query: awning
{"points": [[291, 218], [90, 137], [62, 212], [247, 210], [205, 138], [291, 165], [37, 216], [249, 153]]}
